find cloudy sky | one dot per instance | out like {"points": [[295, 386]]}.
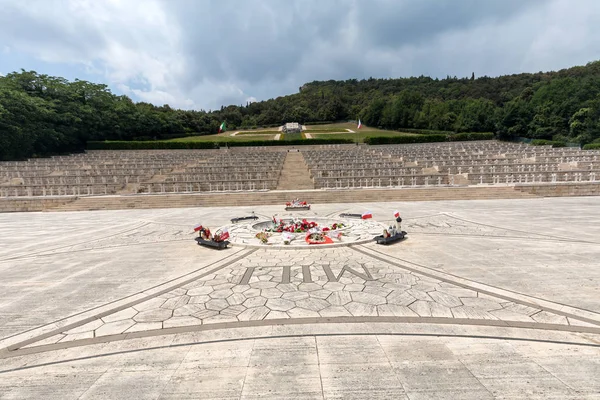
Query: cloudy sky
{"points": [[200, 54]]}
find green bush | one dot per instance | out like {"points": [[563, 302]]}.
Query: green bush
{"points": [[148, 145], [592, 146], [295, 142], [543, 142], [464, 137], [425, 131], [404, 139], [455, 137], [138, 145]]}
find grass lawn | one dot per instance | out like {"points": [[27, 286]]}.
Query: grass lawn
{"points": [[257, 133], [360, 135], [341, 127], [292, 136], [316, 131], [324, 130]]}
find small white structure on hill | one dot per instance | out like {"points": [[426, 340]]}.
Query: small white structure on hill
{"points": [[292, 127]]}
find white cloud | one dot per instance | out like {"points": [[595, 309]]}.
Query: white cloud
{"points": [[205, 53], [128, 44]]}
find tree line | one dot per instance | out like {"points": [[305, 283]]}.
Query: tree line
{"points": [[42, 115]]}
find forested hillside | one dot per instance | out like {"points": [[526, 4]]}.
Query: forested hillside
{"points": [[42, 115]]}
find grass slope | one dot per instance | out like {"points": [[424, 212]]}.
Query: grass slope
{"points": [[250, 133], [340, 127], [338, 131]]}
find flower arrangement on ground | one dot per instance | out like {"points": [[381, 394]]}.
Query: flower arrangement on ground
{"points": [[316, 237], [297, 203], [287, 237], [301, 226], [263, 237], [205, 234], [220, 236], [336, 235]]}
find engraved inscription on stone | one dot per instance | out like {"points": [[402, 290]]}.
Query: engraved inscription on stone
{"points": [[307, 276]]}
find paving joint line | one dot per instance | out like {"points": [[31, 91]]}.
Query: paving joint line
{"points": [[41, 252], [12, 352], [483, 288], [515, 230], [149, 293], [283, 336]]}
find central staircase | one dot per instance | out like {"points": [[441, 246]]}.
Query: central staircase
{"points": [[295, 174]]}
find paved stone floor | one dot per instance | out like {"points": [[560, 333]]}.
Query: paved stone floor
{"points": [[485, 299]]}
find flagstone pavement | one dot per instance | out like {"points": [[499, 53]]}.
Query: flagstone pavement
{"points": [[485, 299]]}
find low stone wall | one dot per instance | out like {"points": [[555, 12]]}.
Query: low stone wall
{"points": [[174, 200], [32, 204], [561, 189]]}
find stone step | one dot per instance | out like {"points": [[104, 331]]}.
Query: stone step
{"points": [[280, 197], [295, 174], [172, 200]]}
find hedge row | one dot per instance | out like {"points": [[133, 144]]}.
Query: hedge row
{"points": [[425, 131], [133, 145], [592, 146], [433, 132], [455, 137], [543, 142]]}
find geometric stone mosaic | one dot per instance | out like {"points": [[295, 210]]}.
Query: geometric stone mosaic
{"points": [[333, 282]]}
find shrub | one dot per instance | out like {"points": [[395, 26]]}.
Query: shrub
{"points": [[148, 145], [544, 142], [294, 142], [425, 131], [455, 137], [404, 139], [592, 146], [464, 137], [138, 145]]}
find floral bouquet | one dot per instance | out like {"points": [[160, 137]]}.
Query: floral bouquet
{"points": [[296, 203], [317, 237], [263, 237], [287, 237], [336, 235], [221, 236], [293, 226], [203, 232]]}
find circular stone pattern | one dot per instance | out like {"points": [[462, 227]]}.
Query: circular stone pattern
{"points": [[355, 231]]}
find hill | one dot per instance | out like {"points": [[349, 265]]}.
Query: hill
{"points": [[42, 115]]}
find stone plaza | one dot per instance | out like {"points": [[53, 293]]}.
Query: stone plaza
{"points": [[484, 299]]}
